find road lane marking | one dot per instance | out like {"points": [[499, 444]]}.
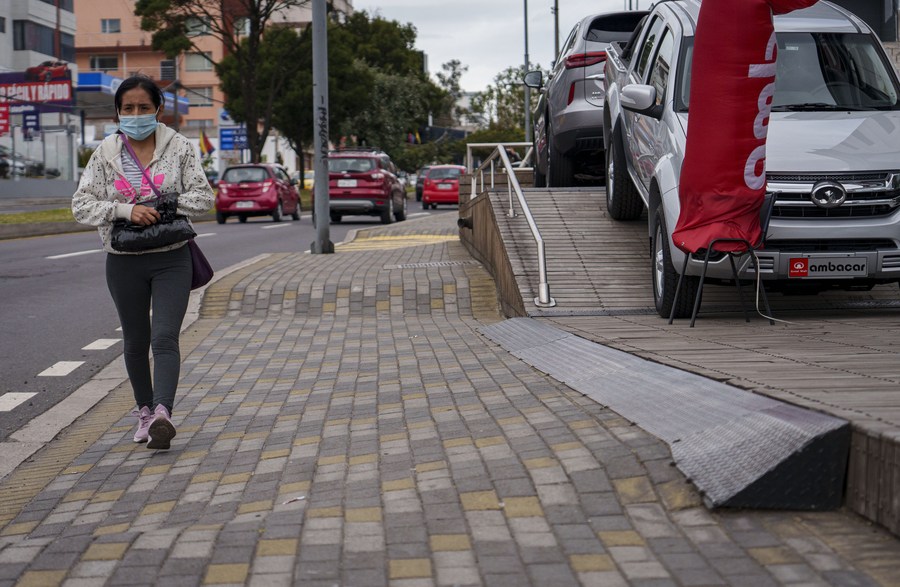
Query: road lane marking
{"points": [[79, 253], [101, 344], [60, 369], [280, 225], [205, 234], [10, 400]]}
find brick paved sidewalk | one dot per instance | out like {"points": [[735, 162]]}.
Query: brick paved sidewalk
{"points": [[341, 422]]}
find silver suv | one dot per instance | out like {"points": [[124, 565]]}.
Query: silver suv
{"points": [[568, 119], [832, 154]]}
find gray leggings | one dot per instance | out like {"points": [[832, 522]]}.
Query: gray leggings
{"points": [[136, 282]]}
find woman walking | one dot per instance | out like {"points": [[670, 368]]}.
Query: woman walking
{"points": [[113, 187]]}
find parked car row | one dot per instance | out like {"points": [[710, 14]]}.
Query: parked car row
{"points": [[361, 181], [568, 119]]}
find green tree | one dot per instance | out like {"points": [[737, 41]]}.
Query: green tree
{"points": [[502, 104], [448, 79], [377, 89], [240, 25]]}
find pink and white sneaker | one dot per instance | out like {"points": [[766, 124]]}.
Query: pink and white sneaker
{"points": [[161, 430], [144, 416]]}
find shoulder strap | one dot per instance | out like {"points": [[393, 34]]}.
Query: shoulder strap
{"points": [[137, 162]]}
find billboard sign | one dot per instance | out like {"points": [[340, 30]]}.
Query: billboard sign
{"points": [[43, 88], [4, 118]]}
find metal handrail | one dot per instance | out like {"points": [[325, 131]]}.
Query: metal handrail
{"points": [[500, 152]]}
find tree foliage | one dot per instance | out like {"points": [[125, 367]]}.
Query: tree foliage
{"points": [[171, 22], [502, 104], [377, 90]]}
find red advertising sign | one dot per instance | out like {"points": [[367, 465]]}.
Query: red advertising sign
{"points": [[723, 178], [4, 118]]}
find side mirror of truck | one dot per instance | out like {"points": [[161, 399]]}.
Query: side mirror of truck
{"points": [[534, 79], [641, 99]]}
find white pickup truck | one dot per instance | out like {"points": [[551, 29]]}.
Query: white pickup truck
{"points": [[833, 152]]}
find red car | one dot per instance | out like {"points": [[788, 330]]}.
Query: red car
{"points": [[258, 189], [441, 185], [364, 182], [48, 70]]}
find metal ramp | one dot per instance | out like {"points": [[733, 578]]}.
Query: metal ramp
{"points": [[740, 449]]}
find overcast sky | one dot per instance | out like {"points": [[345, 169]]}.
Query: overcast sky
{"points": [[487, 35]]}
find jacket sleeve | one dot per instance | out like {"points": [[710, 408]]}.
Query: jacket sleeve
{"points": [[197, 197], [90, 203]]}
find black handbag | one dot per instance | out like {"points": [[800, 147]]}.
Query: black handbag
{"points": [[171, 227]]}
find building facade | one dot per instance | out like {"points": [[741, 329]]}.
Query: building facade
{"points": [[109, 41]]}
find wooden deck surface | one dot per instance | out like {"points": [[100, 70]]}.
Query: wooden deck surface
{"points": [[837, 352]]}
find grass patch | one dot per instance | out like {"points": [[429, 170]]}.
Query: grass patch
{"points": [[57, 215]]}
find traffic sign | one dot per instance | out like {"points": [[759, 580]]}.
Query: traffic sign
{"points": [[31, 125], [232, 138]]}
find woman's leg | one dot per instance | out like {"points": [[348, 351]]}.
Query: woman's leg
{"points": [[129, 284], [171, 290]]}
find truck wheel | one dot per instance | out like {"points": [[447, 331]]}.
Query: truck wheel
{"points": [[540, 180], [623, 202], [560, 172], [665, 277], [387, 215]]}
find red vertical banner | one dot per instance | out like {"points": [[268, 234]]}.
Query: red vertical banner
{"points": [[723, 178], [4, 118]]}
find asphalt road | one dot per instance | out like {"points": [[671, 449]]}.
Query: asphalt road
{"points": [[59, 325]]}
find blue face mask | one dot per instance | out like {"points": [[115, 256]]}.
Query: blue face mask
{"points": [[138, 127]]}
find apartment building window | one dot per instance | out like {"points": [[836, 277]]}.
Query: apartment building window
{"points": [[194, 26], [200, 96], [242, 26], [67, 47], [110, 25], [67, 5], [198, 62], [30, 36], [167, 70], [104, 62], [2, 24]]}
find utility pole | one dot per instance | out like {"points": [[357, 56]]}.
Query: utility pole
{"points": [[555, 10], [322, 244], [528, 129]]}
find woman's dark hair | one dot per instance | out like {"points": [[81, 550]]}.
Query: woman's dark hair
{"points": [[143, 82]]}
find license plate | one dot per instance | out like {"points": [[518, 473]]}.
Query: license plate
{"points": [[445, 186], [346, 183], [244, 205], [820, 267]]}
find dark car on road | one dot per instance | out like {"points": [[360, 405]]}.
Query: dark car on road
{"points": [[568, 119], [364, 182], [258, 189], [420, 181]]}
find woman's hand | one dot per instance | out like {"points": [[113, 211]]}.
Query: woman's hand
{"points": [[144, 215]]}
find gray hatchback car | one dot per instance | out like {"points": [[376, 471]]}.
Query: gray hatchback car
{"points": [[568, 119]]}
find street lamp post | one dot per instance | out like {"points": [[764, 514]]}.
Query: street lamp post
{"points": [[527, 89]]}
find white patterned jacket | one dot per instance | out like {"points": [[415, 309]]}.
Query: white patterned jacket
{"points": [[105, 195]]}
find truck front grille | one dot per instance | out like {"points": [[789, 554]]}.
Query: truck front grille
{"points": [[869, 195]]}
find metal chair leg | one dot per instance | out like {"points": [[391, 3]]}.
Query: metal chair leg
{"points": [[737, 282], [700, 287], [678, 288]]}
